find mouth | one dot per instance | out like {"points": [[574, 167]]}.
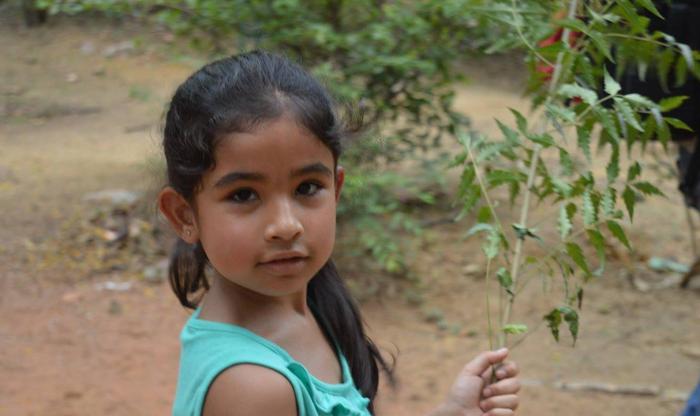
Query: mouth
{"points": [[284, 264]]}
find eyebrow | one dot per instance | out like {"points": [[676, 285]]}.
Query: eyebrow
{"points": [[233, 177]]}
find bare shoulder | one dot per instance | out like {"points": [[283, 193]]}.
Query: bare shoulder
{"points": [[250, 390]]}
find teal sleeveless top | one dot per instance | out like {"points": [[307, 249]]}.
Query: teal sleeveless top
{"points": [[208, 348]]}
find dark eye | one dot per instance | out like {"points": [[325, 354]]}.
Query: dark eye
{"points": [[243, 195], [308, 189]]}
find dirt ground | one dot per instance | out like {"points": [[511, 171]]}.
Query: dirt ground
{"points": [[74, 121]]}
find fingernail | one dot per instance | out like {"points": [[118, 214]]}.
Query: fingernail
{"points": [[500, 373], [487, 392], [502, 350], [482, 405]]}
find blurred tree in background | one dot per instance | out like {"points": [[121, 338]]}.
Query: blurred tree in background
{"points": [[392, 62]]}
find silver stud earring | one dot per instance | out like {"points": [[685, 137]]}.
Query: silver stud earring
{"points": [[188, 232]]}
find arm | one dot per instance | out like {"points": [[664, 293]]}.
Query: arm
{"points": [[472, 395], [250, 390]]}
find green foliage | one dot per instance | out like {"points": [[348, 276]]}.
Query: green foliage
{"points": [[563, 314], [395, 60]]}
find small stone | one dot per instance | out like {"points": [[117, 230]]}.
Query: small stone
{"points": [[113, 196], [114, 286], [87, 48], [72, 77], [118, 48], [472, 269], [72, 395], [115, 308], [434, 315], [156, 273], [71, 297], [692, 352]]}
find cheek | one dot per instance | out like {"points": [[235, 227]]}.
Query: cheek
{"points": [[321, 227], [227, 240]]}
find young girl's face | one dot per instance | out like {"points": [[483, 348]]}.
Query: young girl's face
{"points": [[265, 215]]}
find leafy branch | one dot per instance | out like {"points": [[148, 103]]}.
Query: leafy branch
{"points": [[577, 96]]}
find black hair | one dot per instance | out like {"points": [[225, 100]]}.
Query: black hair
{"points": [[236, 94]]}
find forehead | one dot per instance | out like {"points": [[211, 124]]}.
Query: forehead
{"points": [[277, 144]]}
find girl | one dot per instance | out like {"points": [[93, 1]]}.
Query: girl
{"points": [[252, 145]]}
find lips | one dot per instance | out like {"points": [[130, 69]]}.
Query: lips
{"points": [[282, 264]]}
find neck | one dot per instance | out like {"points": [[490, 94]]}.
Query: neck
{"points": [[228, 302]]}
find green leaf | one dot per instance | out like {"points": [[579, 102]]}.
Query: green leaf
{"points": [[613, 168], [566, 163], [687, 54], [576, 254], [619, 233], [553, 319], [562, 113], [584, 141], [484, 215], [589, 211], [630, 199], [520, 121], [640, 100], [679, 124], [647, 188], [523, 232], [492, 244], [634, 170], [564, 224], [607, 121], [681, 72], [574, 90], [514, 329], [649, 5], [510, 134], [662, 130], [612, 87], [499, 177], [478, 228], [571, 318], [563, 313], [627, 113], [598, 242], [607, 204], [505, 280], [663, 65], [671, 103], [561, 187], [544, 140]]}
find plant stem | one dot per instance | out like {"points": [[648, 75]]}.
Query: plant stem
{"points": [[515, 265], [488, 304]]}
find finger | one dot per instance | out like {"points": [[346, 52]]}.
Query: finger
{"points": [[510, 401], [484, 360], [503, 387], [504, 370]]}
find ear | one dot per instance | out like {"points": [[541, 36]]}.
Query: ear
{"points": [[339, 181], [179, 214]]}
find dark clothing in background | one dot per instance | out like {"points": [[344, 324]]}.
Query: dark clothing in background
{"points": [[682, 21]]}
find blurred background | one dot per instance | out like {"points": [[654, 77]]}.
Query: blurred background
{"points": [[89, 323]]}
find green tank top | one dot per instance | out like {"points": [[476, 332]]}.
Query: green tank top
{"points": [[208, 348]]}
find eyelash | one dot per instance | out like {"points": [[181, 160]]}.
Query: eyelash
{"points": [[234, 196]]}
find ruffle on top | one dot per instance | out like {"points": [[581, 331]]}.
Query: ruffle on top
{"points": [[332, 399]]}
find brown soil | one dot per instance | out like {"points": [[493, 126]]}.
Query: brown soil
{"points": [[73, 121]]}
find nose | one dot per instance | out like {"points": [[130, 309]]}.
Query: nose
{"points": [[284, 224]]}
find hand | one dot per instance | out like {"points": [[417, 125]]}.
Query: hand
{"points": [[473, 395]]}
